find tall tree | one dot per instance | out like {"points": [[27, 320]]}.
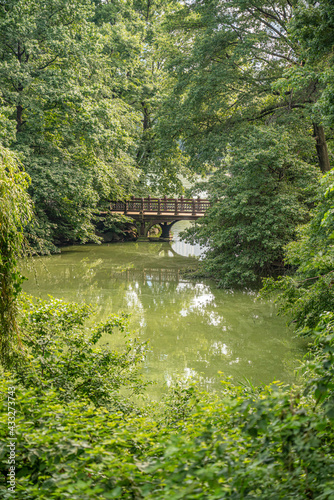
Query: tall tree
{"points": [[260, 194], [77, 138], [241, 113], [313, 28], [137, 53], [230, 68]]}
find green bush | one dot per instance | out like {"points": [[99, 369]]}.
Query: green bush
{"points": [[308, 293], [77, 361], [79, 438], [271, 445]]}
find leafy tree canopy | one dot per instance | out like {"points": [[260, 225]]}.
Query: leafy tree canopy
{"points": [[139, 52], [226, 66], [75, 135], [260, 193]]}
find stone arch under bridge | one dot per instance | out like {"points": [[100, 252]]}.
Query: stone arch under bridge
{"points": [[149, 212]]}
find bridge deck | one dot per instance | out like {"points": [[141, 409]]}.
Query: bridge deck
{"points": [[163, 214], [161, 207]]}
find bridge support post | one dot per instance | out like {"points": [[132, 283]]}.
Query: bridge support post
{"points": [[142, 231], [165, 230]]}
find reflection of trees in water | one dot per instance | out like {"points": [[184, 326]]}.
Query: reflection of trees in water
{"points": [[192, 327], [186, 250], [156, 258], [188, 326]]}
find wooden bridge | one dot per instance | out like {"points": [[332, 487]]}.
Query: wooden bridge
{"points": [[149, 212]]}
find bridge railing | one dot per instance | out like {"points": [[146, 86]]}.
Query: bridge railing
{"points": [[161, 205]]}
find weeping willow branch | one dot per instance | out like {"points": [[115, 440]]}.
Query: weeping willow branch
{"points": [[15, 213]]}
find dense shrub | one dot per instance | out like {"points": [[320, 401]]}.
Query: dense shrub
{"points": [[271, 445], [308, 292], [75, 360]]}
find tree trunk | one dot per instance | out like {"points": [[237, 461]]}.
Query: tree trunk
{"points": [[146, 120], [19, 117], [321, 146]]}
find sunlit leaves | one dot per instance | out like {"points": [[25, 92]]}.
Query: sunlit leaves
{"points": [[265, 445], [74, 360]]}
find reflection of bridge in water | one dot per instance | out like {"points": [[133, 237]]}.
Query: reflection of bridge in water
{"points": [[165, 212], [155, 273], [149, 275]]}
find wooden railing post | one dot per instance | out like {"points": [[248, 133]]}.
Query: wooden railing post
{"points": [[198, 204], [182, 204], [142, 206], [176, 206], [133, 203], [159, 206], [149, 203], [126, 207], [194, 207], [165, 200]]}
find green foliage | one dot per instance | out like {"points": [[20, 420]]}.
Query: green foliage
{"points": [[319, 366], [117, 224], [15, 213], [75, 360], [312, 27], [77, 138], [259, 196], [80, 86], [74, 90], [243, 103], [238, 446], [307, 294], [138, 52], [225, 74], [179, 402]]}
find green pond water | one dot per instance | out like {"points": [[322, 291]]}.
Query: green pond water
{"points": [[193, 328]]}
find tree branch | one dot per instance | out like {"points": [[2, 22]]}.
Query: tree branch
{"points": [[11, 48], [48, 63], [270, 110]]}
